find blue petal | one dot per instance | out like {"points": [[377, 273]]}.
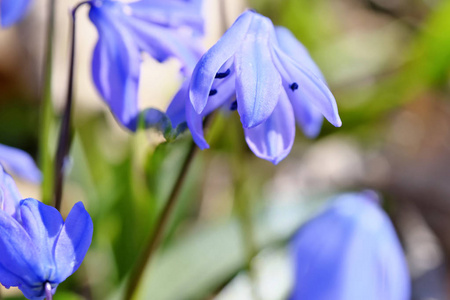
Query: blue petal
{"points": [[43, 224], [210, 63], [273, 139], [314, 89], [20, 163], [352, 241], [225, 90], [170, 13], [258, 83], [115, 67], [73, 242], [11, 11], [292, 47], [9, 194], [177, 107], [18, 255], [163, 43], [307, 116]]}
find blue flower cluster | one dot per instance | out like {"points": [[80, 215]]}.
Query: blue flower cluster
{"points": [[262, 72]]}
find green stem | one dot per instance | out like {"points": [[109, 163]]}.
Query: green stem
{"points": [[47, 114], [161, 225]]}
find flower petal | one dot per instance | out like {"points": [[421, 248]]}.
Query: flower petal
{"points": [[258, 83], [224, 90], [292, 47], [43, 224], [115, 67], [18, 255], [210, 63], [9, 194], [11, 11], [307, 116], [313, 88], [163, 43], [177, 108], [273, 139], [20, 163], [170, 13], [73, 242]]}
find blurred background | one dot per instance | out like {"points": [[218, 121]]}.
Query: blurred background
{"points": [[387, 63]]}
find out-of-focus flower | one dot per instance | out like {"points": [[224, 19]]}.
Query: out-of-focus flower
{"points": [[19, 163], [9, 194], [275, 83], [350, 251], [38, 250], [12, 11], [161, 28]]}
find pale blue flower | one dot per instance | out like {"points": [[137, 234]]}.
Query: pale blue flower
{"points": [[350, 252], [163, 29], [269, 78]]}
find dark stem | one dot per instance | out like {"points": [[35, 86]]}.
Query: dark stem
{"points": [[161, 225], [48, 291], [66, 131]]}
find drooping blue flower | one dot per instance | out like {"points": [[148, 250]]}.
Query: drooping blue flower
{"points": [[38, 249], [274, 81], [161, 28], [12, 11], [20, 163], [351, 252]]}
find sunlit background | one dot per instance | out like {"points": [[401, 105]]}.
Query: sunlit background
{"points": [[386, 61]]}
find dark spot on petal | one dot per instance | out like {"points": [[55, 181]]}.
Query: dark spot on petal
{"points": [[223, 75], [234, 105], [212, 92], [293, 86]]}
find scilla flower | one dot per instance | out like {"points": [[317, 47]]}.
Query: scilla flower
{"points": [[274, 81], [19, 163], [350, 252], [38, 250], [163, 29], [11, 11]]}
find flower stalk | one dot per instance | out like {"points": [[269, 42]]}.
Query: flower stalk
{"points": [[66, 130]]}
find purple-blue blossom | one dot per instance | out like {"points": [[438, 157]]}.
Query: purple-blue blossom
{"points": [[12, 11], [268, 77], [350, 251], [38, 250], [161, 28], [19, 163]]}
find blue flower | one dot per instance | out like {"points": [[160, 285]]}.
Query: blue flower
{"points": [[269, 78], [39, 249], [20, 163], [12, 11], [163, 29], [351, 252]]}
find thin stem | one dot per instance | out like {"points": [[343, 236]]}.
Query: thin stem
{"points": [[66, 130], [48, 291], [47, 113], [161, 225]]}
